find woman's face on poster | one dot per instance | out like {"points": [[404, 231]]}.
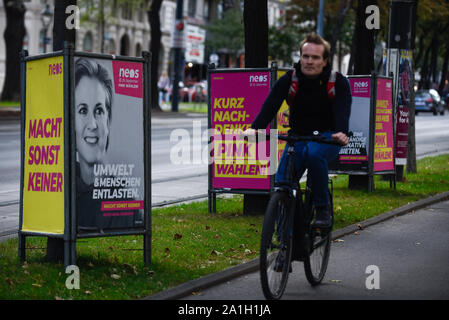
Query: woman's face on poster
{"points": [[91, 120]]}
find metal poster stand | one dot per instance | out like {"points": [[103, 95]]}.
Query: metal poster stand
{"points": [[70, 232]]}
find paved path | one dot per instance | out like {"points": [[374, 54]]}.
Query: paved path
{"points": [[411, 253]]}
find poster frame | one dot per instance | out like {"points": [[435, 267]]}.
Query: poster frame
{"points": [[71, 233], [372, 126], [212, 192]]}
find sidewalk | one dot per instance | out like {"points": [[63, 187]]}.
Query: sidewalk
{"points": [[410, 246]]}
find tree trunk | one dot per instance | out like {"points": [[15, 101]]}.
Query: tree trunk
{"points": [[155, 45], [364, 41], [363, 45], [60, 32], [424, 83], [338, 25], [255, 16], [13, 35], [444, 70]]}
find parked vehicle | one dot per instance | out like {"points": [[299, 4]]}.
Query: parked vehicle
{"points": [[429, 101], [192, 92]]}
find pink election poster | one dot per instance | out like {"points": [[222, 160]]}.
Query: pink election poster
{"points": [[383, 138], [235, 100]]}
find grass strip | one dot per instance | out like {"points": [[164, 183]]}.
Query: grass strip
{"points": [[188, 243]]}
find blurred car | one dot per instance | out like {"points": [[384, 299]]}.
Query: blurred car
{"points": [[429, 101], [192, 92]]}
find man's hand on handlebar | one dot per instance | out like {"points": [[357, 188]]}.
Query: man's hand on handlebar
{"points": [[341, 138]]}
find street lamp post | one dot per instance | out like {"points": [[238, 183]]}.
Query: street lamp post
{"points": [[46, 16]]}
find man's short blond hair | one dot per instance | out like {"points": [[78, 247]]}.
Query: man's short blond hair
{"points": [[316, 39]]}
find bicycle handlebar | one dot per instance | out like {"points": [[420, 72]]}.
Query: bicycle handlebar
{"points": [[315, 138]]}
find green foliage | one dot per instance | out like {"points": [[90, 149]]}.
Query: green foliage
{"points": [[227, 33], [188, 243], [282, 42]]}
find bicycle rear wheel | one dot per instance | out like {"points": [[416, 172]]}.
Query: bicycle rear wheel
{"points": [[276, 246], [319, 246]]}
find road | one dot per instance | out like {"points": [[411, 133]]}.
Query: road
{"points": [[171, 181]]}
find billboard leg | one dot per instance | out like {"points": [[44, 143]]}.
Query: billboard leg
{"points": [[147, 249], [214, 199], [22, 247], [73, 252], [67, 259], [209, 202]]}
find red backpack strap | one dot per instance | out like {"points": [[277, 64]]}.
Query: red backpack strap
{"points": [[331, 85], [293, 88]]}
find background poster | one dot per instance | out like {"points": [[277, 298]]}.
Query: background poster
{"points": [[43, 179], [354, 156], [402, 110], [282, 121], [235, 100], [383, 138], [109, 141]]}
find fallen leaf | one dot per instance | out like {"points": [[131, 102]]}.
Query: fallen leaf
{"points": [[360, 226], [339, 240], [150, 273], [167, 250], [247, 251], [177, 236], [207, 228], [356, 233], [37, 285], [336, 281], [87, 292], [215, 252], [90, 264], [115, 276], [58, 298]]}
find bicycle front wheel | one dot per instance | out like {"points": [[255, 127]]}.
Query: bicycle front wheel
{"points": [[276, 246], [316, 261]]}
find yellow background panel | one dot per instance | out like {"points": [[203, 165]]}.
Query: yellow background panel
{"points": [[43, 211]]}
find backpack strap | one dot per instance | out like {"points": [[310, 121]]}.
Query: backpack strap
{"points": [[294, 87], [331, 85]]}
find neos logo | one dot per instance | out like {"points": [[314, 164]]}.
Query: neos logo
{"points": [[258, 79], [363, 84], [129, 73], [54, 69]]}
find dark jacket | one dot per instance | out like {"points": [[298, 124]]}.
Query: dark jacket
{"points": [[312, 109]]}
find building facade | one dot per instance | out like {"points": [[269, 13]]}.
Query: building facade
{"points": [[127, 29]]}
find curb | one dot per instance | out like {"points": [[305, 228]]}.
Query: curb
{"points": [[213, 279], [9, 113]]}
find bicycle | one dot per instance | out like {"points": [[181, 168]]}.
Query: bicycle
{"points": [[287, 233]]}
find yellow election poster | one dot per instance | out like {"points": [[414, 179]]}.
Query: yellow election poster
{"points": [[43, 179], [282, 121]]}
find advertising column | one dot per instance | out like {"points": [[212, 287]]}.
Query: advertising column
{"points": [[109, 138]]}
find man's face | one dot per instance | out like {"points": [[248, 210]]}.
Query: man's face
{"points": [[312, 61]]}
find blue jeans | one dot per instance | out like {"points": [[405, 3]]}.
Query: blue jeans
{"points": [[314, 157]]}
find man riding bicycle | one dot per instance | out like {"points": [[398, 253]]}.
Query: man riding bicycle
{"points": [[319, 101]]}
